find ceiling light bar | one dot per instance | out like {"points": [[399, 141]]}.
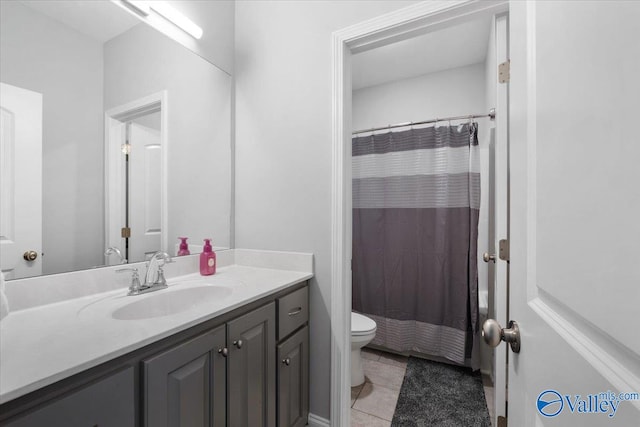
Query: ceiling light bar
{"points": [[177, 18], [140, 7], [169, 13]]}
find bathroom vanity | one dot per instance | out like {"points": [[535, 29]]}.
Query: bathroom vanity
{"points": [[231, 349]]}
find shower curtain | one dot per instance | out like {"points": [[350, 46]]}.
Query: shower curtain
{"points": [[416, 200]]}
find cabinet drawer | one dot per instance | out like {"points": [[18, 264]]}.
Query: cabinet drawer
{"points": [[293, 311], [107, 403]]}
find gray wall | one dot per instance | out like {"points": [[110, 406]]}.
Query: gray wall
{"points": [[141, 62], [71, 84], [283, 143]]}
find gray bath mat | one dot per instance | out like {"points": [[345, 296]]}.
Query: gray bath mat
{"points": [[436, 394]]}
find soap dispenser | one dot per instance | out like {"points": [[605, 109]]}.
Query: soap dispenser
{"points": [[184, 247], [207, 259]]}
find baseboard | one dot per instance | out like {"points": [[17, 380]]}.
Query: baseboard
{"points": [[316, 421]]}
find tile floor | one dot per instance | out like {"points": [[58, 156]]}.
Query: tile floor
{"points": [[374, 402]]}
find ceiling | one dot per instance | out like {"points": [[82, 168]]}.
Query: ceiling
{"points": [[452, 47], [100, 20]]}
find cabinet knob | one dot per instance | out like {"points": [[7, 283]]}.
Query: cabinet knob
{"points": [[223, 351], [238, 343], [286, 361]]}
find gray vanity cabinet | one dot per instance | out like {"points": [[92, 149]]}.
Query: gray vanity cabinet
{"points": [[293, 380], [185, 385], [108, 402], [246, 368], [251, 375]]}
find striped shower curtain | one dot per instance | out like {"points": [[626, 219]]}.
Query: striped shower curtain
{"points": [[416, 200]]}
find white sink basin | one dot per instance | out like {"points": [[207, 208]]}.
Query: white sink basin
{"points": [[169, 302]]}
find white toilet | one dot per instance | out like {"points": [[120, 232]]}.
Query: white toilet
{"points": [[363, 330]]}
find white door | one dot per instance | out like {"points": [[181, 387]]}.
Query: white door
{"points": [[144, 192], [20, 181], [575, 213]]}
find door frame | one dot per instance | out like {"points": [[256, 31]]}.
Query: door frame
{"points": [[396, 26], [114, 166]]}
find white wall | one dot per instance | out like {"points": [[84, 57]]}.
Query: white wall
{"points": [[141, 62], [454, 92], [458, 91], [71, 84], [283, 143]]}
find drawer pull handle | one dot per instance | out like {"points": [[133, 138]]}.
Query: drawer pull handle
{"points": [[223, 351], [295, 311], [286, 361], [238, 343]]}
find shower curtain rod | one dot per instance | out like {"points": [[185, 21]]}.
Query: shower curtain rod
{"points": [[491, 115]]}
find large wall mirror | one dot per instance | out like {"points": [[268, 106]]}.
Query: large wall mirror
{"points": [[115, 140]]}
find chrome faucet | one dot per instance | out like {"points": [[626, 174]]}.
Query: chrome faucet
{"points": [[114, 250], [155, 273], [154, 278]]}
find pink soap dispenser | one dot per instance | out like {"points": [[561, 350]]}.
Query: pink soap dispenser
{"points": [[207, 259], [184, 247]]}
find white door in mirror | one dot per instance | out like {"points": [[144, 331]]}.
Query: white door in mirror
{"points": [[20, 181], [144, 191]]}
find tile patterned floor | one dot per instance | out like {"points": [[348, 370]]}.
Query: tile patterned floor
{"points": [[374, 402]]}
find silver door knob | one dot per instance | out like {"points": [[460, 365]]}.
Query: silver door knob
{"points": [[286, 361], [486, 257], [493, 334], [223, 352], [238, 343], [30, 255]]}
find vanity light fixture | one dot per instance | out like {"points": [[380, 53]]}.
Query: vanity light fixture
{"points": [[168, 12], [140, 7]]}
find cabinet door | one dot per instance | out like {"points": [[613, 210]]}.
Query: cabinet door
{"points": [[293, 380], [252, 385], [186, 385], [107, 403]]}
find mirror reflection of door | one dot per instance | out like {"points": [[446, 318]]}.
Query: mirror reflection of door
{"points": [[136, 181], [144, 173], [20, 182]]}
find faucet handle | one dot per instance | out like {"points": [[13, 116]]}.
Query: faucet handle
{"points": [[134, 287], [161, 280]]}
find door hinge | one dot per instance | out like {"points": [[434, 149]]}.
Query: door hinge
{"points": [[503, 247], [125, 232], [504, 72]]}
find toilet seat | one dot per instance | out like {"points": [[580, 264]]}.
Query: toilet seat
{"points": [[361, 325]]}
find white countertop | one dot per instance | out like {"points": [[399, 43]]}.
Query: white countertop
{"points": [[46, 343]]}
